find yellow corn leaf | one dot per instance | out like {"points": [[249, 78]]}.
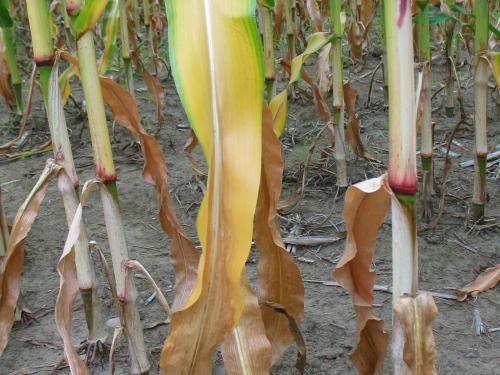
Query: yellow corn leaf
{"points": [[218, 72], [279, 103], [494, 61], [90, 13]]}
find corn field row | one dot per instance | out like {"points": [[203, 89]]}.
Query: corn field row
{"points": [[228, 60]]}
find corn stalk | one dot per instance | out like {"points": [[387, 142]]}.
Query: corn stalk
{"points": [[338, 94], [44, 57], [425, 109], [266, 22], [481, 75], [126, 53], [402, 161], [10, 47]]}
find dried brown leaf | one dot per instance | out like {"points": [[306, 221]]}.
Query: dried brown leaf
{"points": [[416, 315], [354, 271], [486, 280], [11, 265], [352, 132], [183, 252], [279, 16], [5, 89], [278, 276], [319, 102], [246, 350], [323, 71], [314, 15], [156, 92]]}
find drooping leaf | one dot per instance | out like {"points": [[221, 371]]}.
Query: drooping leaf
{"points": [[247, 350], [352, 132], [156, 92], [88, 16], [183, 253], [323, 80], [220, 83], [486, 280], [12, 263], [354, 270], [416, 315], [279, 103], [278, 276]]}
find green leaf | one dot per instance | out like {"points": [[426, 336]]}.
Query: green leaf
{"points": [[5, 20], [89, 15], [266, 3]]}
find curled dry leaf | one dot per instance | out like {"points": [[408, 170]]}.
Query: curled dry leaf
{"points": [[352, 132], [156, 92], [183, 252], [323, 71], [314, 15], [300, 363], [363, 13], [246, 350], [11, 265], [416, 315], [486, 280], [354, 271], [278, 276]]}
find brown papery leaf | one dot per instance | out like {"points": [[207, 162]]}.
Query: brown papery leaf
{"points": [[486, 280], [314, 15], [323, 71], [319, 103], [354, 273], [352, 132], [11, 265], [278, 276], [156, 92], [183, 252], [246, 350], [300, 363], [416, 315], [68, 282]]}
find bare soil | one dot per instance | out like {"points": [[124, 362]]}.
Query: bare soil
{"points": [[328, 324]]}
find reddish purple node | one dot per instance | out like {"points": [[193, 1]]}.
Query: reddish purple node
{"points": [[403, 7]]}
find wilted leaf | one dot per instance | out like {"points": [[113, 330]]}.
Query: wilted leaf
{"points": [[323, 71], [352, 132], [416, 315], [314, 15], [183, 253], [278, 276], [68, 283], [279, 16], [156, 92], [226, 115], [246, 350], [486, 280], [12, 263], [354, 270]]}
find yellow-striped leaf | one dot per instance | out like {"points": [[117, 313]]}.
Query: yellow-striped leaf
{"points": [[218, 71]]}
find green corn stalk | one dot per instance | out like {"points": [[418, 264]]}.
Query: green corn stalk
{"points": [[126, 53], [38, 12], [424, 58], [10, 47], [106, 173], [450, 41], [481, 75], [338, 93]]}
